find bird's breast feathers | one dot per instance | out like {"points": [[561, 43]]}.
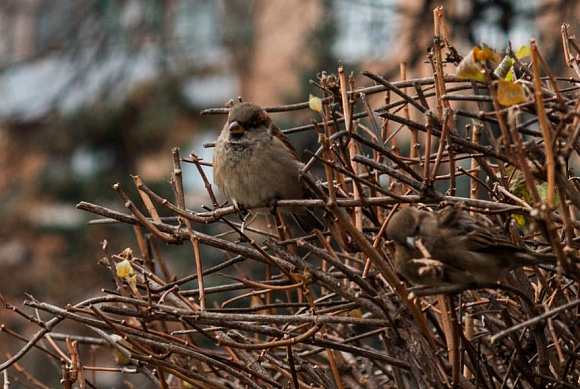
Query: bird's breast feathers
{"points": [[255, 173]]}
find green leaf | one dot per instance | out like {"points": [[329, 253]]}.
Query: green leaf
{"points": [[503, 69]]}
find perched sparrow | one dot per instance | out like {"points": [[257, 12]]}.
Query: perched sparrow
{"points": [[254, 164], [462, 249]]}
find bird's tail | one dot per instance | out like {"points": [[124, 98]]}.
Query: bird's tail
{"points": [[307, 221], [533, 258]]}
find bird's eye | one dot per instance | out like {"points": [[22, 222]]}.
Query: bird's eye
{"points": [[416, 231]]}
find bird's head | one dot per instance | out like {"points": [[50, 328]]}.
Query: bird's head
{"points": [[247, 120], [405, 227]]}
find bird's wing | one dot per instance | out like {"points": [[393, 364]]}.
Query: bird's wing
{"points": [[478, 236], [277, 132]]}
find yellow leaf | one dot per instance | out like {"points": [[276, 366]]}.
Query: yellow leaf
{"points": [[510, 93], [510, 76], [133, 280], [315, 103], [523, 52], [470, 69], [471, 66], [124, 269], [120, 358], [484, 54], [519, 187]]}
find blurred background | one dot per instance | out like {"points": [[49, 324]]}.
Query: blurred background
{"points": [[92, 91]]}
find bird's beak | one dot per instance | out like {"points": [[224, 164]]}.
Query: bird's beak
{"points": [[236, 128], [410, 241]]}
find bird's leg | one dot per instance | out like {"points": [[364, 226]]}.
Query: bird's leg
{"points": [[242, 213], [239, 210], [280, 226], [429, 267], [244, 220], [273, 205]]}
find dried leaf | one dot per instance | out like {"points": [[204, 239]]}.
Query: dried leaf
{"points": [[484, 54], [510, 93], [124, 269], [315, 103], [518, 186], [120, 358], [471, 66], [543, 192], [127, 253], [470, 69], [255, 301], [133, 280]]}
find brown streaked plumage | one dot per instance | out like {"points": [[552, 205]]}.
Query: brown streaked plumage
{"points": [[254, 163], [463, 250]]}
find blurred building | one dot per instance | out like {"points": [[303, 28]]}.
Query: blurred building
{"points": [[94, 90]]}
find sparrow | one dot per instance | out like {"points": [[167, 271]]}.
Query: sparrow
{"points": [[255, 164], [459, 249]]}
